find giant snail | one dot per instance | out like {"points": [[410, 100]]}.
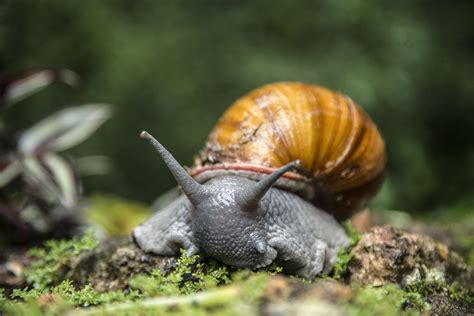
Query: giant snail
{"points": [[284, 164]]}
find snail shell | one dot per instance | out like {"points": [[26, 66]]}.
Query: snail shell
{"points": [[342, 154]]}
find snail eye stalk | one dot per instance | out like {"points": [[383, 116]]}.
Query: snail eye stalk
{"points": [[250, 198], [192, 189]]}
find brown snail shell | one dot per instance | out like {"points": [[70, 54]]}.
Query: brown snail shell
{"points": [[342, 153]]}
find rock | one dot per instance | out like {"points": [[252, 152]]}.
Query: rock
{"points": [[11, 271], [442, 305], [389, 255], [109, 266]]}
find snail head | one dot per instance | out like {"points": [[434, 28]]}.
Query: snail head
{"points": [[227, 212]]}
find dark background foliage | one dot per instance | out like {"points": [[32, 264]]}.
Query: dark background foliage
{"points": [[172, 67]]}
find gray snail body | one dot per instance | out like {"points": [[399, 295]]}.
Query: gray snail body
{"points": [[251, 212]]}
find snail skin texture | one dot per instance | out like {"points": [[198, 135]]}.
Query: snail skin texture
{"points": [[282, 164]]}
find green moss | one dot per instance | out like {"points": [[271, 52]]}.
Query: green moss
{"points": [[190, 276], [340, 267], [272, 269], [240, 297], [252, 284], [192, 288], [87, 296], [434, 283], [47, 261], [413, 300], [26, 294], [67, 293], [345, 256], [387, 300], [3, 298]]}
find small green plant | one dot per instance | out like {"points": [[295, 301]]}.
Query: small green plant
{"points": [[42, 272]]}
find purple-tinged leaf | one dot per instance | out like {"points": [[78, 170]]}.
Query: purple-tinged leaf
{"points": [[15, 87], [54, 179], [64, 178], [38, 177], [63, 129]]}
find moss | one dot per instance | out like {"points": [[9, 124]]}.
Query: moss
{"points": [[66, 292], [189, 276], [246, 292], [252, 284], [192, 288], [413, 300], [272, 269], [433, 282], [47, 261], [345, 255], [26, 294], [3, 298], [387, 300]]}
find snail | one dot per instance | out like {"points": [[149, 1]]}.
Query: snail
{"points": [[284, 164]]}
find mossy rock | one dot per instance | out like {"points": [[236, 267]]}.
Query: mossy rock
{"points": [[389, 255], [110, 265]]}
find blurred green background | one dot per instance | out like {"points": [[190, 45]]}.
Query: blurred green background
{"points": [[172, 67]]}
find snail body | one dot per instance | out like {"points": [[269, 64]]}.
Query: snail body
{"points": [[281, 164]]}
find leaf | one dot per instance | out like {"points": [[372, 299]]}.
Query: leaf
{"points": [[18, 86], [64, 176], [64, 129], [10, 172], [37, 176], [54, 179]]}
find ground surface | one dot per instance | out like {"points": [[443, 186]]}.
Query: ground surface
{"points": [[388, 271]]}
